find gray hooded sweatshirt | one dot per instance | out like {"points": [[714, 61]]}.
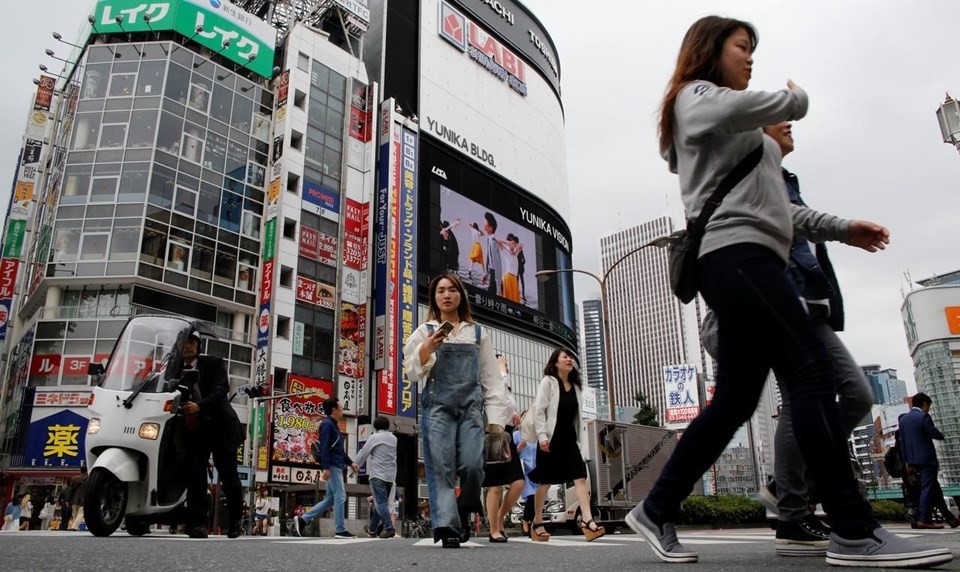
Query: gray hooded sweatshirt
{"points": [[715, 128]]}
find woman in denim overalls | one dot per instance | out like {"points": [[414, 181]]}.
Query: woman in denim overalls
{"points": [[459, 383]]}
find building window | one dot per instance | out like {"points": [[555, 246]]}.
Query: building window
{"points": [[178, 256], [293, 182], [93, 246], [113, 135], [289, 228], [199, 98], [303, 61], [122, 84], [250, 225], [246, 277], [286, 276], [103, 189]]}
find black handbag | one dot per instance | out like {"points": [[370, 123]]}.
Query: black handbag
{"points": [[685, 244]]}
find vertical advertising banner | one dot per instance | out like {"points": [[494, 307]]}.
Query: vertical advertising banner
{"points": [[385, 303], [356, 235], [44, 93], [353, 340], [407, 205], [683, 398]]}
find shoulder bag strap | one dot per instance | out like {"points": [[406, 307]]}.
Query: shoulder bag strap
{"points": [[476, 333], [733, 178]]}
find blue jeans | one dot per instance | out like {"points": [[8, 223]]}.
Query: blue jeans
{"points": [[856, 399], [763, 326], [381, 506], [336, 497], [451, 405]]}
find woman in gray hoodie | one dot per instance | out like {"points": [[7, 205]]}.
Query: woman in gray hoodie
{"points": [[708, 123]]}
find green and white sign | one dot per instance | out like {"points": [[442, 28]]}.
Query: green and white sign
{"points": [[14, 242], [249, 36]]}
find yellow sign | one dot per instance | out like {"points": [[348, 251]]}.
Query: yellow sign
{"points": [[273, 191], [62, 440], [24, 191]]}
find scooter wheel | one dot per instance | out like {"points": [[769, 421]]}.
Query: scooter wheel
{"points": [[105, 502]]}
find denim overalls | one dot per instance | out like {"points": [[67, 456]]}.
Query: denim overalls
{"points": [[452, 426]]}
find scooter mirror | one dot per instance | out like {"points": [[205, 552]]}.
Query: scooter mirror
{"points": [[95, 369], [189, 377]]}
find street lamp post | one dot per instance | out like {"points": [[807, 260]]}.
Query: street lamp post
{"points": [[948, 115], [659, 242]]}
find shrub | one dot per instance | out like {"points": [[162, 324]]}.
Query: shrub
{"points": [[724, 509], [888, 510]]}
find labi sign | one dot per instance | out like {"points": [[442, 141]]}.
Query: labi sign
{"points": [[249, 36]]}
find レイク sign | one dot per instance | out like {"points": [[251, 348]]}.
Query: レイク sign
{"points": [[250, 40]]}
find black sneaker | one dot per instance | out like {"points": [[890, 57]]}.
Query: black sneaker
{"points": [[386, 533], [197, 532], [452, 542], [235, 530], [803, 537], [345, 534], [296, 526]]}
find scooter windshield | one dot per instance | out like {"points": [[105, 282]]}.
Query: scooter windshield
{"points": [[146, 354]]}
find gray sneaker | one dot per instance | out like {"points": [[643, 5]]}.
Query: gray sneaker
{"points": [[296, 526], [663, 540], [768, 498], [883, 549]]}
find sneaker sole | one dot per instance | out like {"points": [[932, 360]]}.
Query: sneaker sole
{"points": [[919, 559], [801, 548], [654, 543]]}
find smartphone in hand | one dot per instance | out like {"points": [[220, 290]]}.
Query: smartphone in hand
{"points": [[445, 328]]}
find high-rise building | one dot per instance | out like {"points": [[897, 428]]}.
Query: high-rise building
{"points": [[649, 328], [292, 174], [931, 319], [887, 388], [594, 359], [200, 163]]}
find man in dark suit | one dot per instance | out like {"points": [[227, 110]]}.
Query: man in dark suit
{"points": [[215, 429], [917, 433]]}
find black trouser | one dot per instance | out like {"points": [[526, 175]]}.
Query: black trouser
{"points": [[763, 326], [529, 513], [225, 460], [492, 282], [66, 513]]}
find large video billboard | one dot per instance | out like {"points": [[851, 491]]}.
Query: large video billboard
{"points": [[495, 237]]}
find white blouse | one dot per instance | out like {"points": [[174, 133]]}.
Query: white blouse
{"points": [[494, 390]]}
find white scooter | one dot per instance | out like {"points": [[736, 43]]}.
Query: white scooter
{"points": [[136, 439]]}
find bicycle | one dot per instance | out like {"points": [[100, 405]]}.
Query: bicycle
{"points": [[419, 528]]}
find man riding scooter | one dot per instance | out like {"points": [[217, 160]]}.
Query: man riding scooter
{"points": [[214, 428]]}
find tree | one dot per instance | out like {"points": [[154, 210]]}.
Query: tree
{"points": [[648, 414]]}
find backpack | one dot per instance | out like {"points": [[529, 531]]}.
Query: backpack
{"points": [[317, 452], [893, 460]]}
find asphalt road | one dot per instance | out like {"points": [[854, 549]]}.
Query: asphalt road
{"points": [[748, 550]]}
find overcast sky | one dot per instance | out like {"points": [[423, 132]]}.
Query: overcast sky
{"points": [[870, 148]]}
